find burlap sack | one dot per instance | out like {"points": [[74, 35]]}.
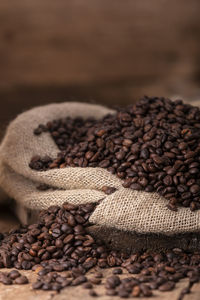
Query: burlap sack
{"points": [[125, 209]]}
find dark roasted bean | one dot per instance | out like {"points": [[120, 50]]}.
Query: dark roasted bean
{"points": [[37, 285], [117, 271], [123, 293], [167, 286], [93, 293], [6, 259], [69, 238], [14, 274], [5, 279], [195, 189], [113, 281], [21, 280], [98, 275], [79, 280], [146, 291], [87, 285], [95, 280]]}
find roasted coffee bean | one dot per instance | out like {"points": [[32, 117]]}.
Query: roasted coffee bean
{"points": [[113, 281], [26, 265], [117, 271], [194, 189], [21, 280], [136, 291], [133, 269], [58, 267], [136, 186], [146, 291], [123, 293], [87, 285], [37, 285], [6, 259], [167, 180], [55, 286], [56, 232], [95, 280], [69, 238], [66, 228], [167, 286], [108, 190], [14, 274], [46, 286], [79, 280], [98, 275], [144, 153], [5, 280], [93, 293]]}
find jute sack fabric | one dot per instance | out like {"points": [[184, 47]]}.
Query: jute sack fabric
{"points": [[125, 209]]}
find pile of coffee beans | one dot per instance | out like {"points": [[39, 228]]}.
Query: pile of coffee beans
{"points": [[13, 277], [153, 146], [61, 251]]}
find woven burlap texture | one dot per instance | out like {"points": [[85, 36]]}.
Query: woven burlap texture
{"points": [[125, 209]]}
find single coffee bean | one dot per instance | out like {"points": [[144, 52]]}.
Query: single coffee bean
{"points": [[136, 291], [123, 294], [95, 280], [136, 186], [79, 280], [167, 286], [195, 189], [117, 271], [108, 190], [37, 285], [146, 291], [46, 286], [144, 153], [14, 274], [21, 280], [6, 260], [87, 285], [98, 275], [69, 238], [113, 281], [93, 293]]}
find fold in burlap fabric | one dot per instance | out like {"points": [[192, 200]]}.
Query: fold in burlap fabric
{"points": [[125, 209]]}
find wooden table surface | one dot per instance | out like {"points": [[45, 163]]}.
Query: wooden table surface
{"points": [[25, 292]]}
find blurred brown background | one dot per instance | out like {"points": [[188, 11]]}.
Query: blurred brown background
{"points": [[104, 51]]}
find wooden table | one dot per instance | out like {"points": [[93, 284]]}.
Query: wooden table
{"points": [[25, 292]]}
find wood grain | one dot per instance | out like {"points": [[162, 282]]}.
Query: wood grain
{"points": [[77, 42], [25, 292]]}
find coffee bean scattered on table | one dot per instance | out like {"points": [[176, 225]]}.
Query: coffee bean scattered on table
{"points": [[153, 146], [13, 277], [61, 252]]}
